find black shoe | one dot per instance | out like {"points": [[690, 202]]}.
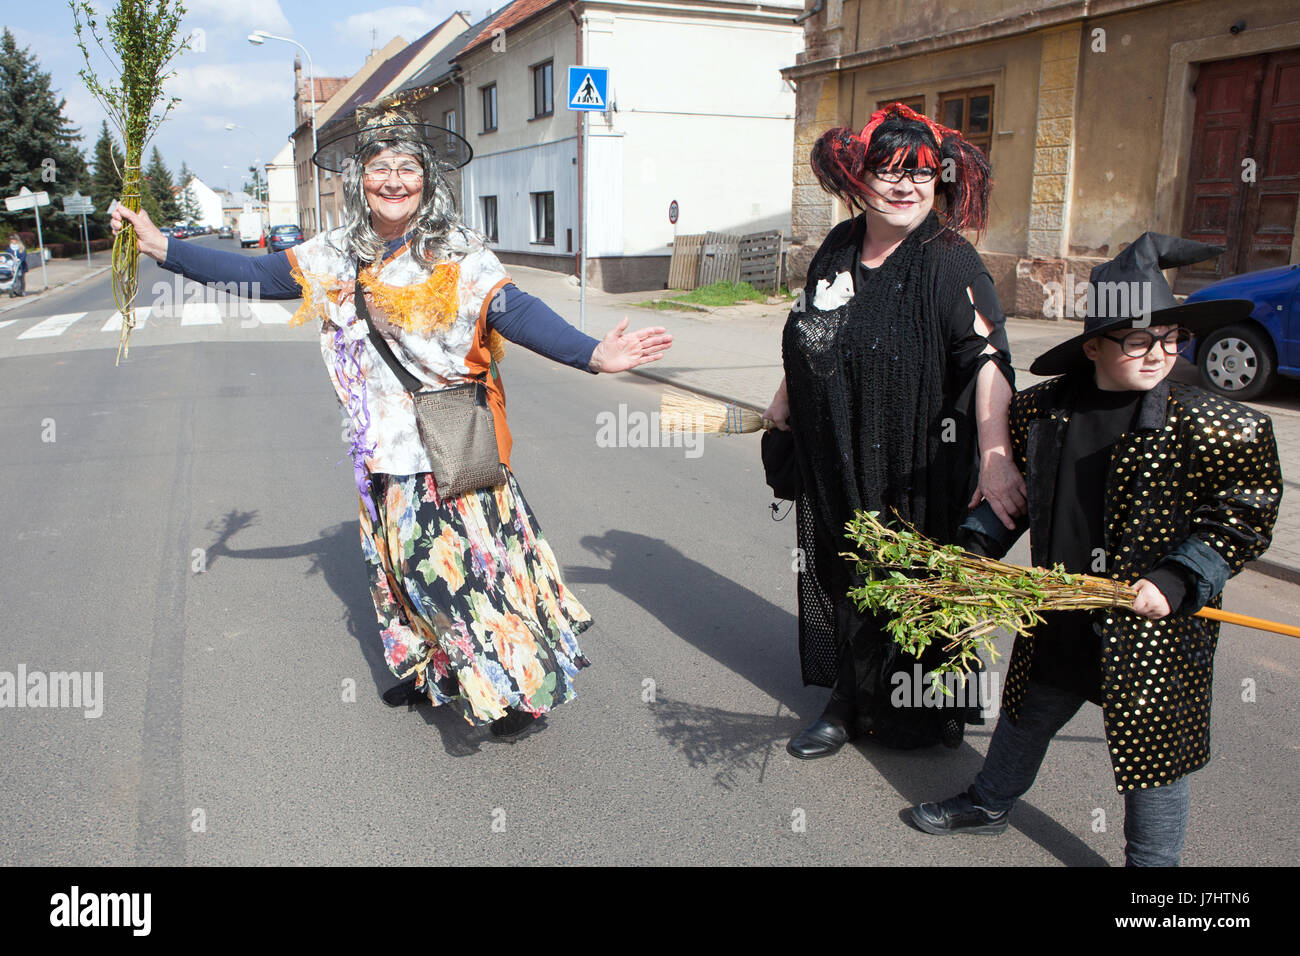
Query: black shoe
{"points": [[404, 694], [952, 733], [958, 814], [514, 722], [822, 739]]}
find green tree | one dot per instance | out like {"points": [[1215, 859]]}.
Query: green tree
{"points": [[106, 180], [37, 142], [191, 211], [158, 181]]}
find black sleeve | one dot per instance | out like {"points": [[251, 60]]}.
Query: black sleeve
{"points": [[967, 345]]}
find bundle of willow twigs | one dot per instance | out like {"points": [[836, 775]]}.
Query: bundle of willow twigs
{"points": [[943, 593], [144, 34]]}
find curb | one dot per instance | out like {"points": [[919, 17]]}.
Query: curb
{"points": [[55, 288]]}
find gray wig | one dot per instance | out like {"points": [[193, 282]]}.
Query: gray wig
{"points": [[436, 225]]}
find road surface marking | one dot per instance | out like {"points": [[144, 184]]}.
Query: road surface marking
{"points": [[54, 325], [201, 313], [114, 323], [270, 313]]}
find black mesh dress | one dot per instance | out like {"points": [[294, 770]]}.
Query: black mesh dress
{"points": [[882, 408]]}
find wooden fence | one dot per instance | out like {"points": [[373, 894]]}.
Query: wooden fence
{"points": [[703, 259]]}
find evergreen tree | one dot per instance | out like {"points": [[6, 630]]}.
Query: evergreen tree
{"points": [[106, 181], [191, 211], [37, 142], [158, 181]]}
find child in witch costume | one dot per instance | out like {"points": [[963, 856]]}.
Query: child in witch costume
{"points": [[1129, 476]]}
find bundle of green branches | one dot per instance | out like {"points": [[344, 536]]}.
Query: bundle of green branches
{"points": [[145, 36], [942, 593]]}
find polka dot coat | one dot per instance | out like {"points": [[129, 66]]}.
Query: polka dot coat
{"points": [[1196, 483]]}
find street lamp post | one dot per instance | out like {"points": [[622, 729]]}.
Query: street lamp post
{"points": [[257, 37], [257, 162]]}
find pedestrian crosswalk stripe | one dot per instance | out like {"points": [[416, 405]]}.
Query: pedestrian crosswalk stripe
{"points": [[201, 313], [54, 325], [270, 313], [114, 323], [7, 322]]}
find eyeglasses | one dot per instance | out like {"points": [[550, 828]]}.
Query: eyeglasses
{"points": [[923, 174], [1138, 344], [407, 172]]}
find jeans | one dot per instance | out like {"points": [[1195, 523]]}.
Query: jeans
{"points": [[1155, 820]]}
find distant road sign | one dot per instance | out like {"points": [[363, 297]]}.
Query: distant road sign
{"points": [[588, 88], [26, 199], [672, 212]]}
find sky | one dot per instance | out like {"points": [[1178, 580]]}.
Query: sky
{"points": [[230, 80]]}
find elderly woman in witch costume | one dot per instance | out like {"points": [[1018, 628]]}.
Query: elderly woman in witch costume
{"points": [[467, 591], [898, 379]]}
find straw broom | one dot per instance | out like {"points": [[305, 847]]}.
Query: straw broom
{"points": [[941, 593], [144, 34], [687, 413]]}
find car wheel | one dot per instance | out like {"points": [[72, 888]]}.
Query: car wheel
{"points": [[1237, 362]]}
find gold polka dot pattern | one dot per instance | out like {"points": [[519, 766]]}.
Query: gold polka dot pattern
{"points": [[1202, 467]]}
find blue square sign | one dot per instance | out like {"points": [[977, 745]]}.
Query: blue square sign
{"points": [[588, 88]]}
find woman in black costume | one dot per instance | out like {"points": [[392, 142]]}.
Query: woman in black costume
{"points": [[898, 379]]}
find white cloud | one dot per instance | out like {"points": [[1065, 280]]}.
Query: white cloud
{"points": [[409, 22], [245, 15], [224, 84]]}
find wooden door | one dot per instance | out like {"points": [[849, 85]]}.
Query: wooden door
{"points": [[1226, 96], [1269, 218], [1244, 173]]}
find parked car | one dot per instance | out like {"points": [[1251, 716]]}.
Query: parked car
{"points": [[283, 237], [169, 232], [1244, 360], [225, 232], [182, 232], [250, 229]]}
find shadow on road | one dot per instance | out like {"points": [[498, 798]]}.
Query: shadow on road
{"points": [[336, 555], [739, 629]]}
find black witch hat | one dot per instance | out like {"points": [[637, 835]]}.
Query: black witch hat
{"points": [[1130, 291], [378, 125]]}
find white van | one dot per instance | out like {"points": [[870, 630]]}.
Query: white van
{"points": [[250, 229]]}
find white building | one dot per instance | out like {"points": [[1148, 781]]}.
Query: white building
{"points": [[698, 113], [282, 189], [208, 200]]}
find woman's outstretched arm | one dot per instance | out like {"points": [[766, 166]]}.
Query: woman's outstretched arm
{"points": [[263, 277]]}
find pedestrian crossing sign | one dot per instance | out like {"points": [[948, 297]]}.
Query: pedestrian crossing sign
{"points": [[588, 88]]}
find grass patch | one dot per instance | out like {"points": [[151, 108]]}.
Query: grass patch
{"points": [[713, 296]]}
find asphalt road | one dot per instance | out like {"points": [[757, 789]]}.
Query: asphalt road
{"points": [[191, 534]]}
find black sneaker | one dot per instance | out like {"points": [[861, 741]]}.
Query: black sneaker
{"points": [[958, 814]]}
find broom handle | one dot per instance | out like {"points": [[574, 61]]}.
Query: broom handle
{"points": [[1258, 623]]}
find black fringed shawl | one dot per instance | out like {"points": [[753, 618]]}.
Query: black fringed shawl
{"points": [[882, 420]]}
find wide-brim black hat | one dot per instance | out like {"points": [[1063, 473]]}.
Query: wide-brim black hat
{"points": [[1130, 291], [446, 145]]}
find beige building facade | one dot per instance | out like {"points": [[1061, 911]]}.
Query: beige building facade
{"points": [[1101, 120]]}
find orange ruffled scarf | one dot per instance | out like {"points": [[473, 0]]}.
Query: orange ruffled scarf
{"points": [[421, 308]]}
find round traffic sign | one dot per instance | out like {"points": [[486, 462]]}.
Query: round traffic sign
{"points": [[672, 212]]}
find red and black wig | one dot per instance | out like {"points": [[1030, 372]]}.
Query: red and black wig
{"points": [[899, 137]]}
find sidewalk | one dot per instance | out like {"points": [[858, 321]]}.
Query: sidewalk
{"points": [[61, 272], [734, 354]]}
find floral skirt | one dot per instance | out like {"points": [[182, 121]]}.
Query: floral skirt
{"points": [[480, 613]]}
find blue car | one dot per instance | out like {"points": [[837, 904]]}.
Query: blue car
{"points": [[1244, 360], [282, 237]]}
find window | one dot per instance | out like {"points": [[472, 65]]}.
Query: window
{"points": [[543, 90], [449, 121], [969, 112], [490, 108], [544, 218], [489, 217]]}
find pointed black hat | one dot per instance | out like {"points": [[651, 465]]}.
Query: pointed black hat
{"points": [[1130, 291]]}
